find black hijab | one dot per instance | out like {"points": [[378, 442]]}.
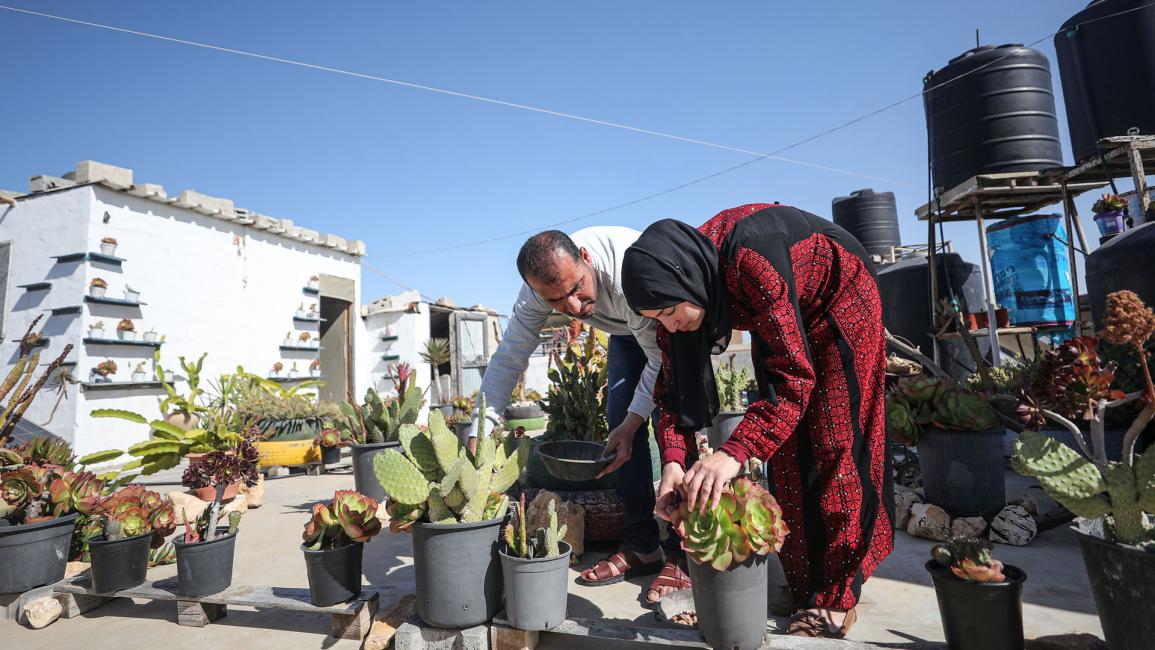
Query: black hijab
{"points": [[670, 263]]}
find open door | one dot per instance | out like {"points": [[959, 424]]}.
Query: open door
{"points": [[336, 307], [469, 349]]}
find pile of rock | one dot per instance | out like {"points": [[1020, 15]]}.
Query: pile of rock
{"points": [[1014, 525]]}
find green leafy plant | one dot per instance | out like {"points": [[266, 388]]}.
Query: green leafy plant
{"points": [[730, 383], [380, 420], [578, 376], [541, 543], [436, 354], [969, 559], [350, 518], [189, 403], [436, 479], [169, 443], [746, 521]]}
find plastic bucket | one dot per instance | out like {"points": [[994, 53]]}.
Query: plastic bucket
{"points": [[1123, 581], [205, 568], [32, 555], [536, 589], [457, 572], [363, 477], [334, 574]]}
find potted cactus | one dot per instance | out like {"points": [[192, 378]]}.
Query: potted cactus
{"points": [[1110, 214], [130, 294], [376, 425], [139, 374], [102, 373], [1114, 500], [97, 287], [204, 553], [330, 442], [959, 440], [979, 598], [315, 368], [301, 313], [130, 521], [293, 372], [125, 330], [728, 545], [314, 282], [535, 569], [334, 541], [731, 383], [96, 330], [454, 503], [108, 246]]}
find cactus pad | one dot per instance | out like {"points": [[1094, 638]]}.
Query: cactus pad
{"points": [[400, 478]]}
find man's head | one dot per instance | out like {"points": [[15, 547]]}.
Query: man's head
{"points": [[559, 272]]}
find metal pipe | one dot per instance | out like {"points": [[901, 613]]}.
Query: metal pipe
{"points": [[989, 285]]}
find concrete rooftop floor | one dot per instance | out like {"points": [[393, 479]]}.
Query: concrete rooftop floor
{"points": [[898, 607]]}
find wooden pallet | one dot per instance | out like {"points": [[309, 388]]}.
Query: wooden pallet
{"points": [[349, 620]]}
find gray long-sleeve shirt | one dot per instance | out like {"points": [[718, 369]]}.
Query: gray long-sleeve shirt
{"points": [[606, 245]]}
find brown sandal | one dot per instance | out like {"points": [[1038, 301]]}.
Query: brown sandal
{"points": [[620, 566], [673, 575], [807, 623]]}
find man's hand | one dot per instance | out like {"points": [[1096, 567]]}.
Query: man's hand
{"points": [[667, 496], [621, 442], [704, 483]]}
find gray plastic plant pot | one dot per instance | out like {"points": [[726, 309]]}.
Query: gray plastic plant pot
{"points": [[536, 590], [724, 424], [457, 572], [731, 604], [363, 477]]}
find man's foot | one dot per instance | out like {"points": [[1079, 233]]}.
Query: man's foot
{"points": [[672, 578], [623, 565], [822, 622]]}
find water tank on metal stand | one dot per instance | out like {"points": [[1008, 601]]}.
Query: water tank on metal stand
{"points": [[1124, 262], [1031, 269], [905, 290], [991, 110], [1107, 67], [871, 217]]}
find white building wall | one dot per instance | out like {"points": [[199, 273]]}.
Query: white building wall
{"points": [[412, 332]]}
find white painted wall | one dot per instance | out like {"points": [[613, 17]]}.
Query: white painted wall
{"points": [[210, 286], [412, 331]]}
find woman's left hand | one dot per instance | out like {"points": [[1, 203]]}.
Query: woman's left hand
{"points": [[705, 481]]}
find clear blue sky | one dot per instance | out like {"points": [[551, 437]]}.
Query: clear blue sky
{"points": [[407, 170]]}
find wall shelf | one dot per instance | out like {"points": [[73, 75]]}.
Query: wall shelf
{"points": [[310, 291], [141, 344], [391, 357], [121, 385], [306, 319], [113, 301], [43, 342], [288, 379], [389, 337], [88, 257], [35, 286], [299, 348], [60, 311]]}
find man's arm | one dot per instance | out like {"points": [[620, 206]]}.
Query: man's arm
{"points": [[645, 332]]}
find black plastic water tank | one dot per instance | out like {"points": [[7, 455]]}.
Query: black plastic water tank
{"points": [[1108, 71], [1124, 262], [905, 290], [995, 114], [871, 217]]}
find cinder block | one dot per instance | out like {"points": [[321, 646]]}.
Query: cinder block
{"points": [[282, 226], [307, 235], [356, 247], [415, 635], [263, 222], [90, 171], [149, 191], [333, 241], [206, 204], [44, 183]]}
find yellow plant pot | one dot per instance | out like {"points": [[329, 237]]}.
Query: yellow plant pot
{"points": [[288, 453]]}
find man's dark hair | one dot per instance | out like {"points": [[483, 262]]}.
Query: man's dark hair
{"points": [[536, 257]]}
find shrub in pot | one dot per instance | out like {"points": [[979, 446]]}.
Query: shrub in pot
{"points": [[454, 502], [131, 522], [535, 569], [334, 540], [376, 425], [979, 599], [1115, 500], [204, 553], [102, 373]]}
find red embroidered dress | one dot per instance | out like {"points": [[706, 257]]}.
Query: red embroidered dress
{"points": [[812, 306]]}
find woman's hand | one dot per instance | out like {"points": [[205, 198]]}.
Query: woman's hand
{"points": [[667, 497], [704, 483]]}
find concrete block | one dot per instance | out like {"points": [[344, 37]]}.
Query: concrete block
{"points": [[91, 171], [509, 638], [276, 472], [307, 235], [206, 204], [282, 226], [241, 215], [415, 635], [44, 183], [263, 222], [356, 247], [149, 191], [385, 624], [333, 241]]}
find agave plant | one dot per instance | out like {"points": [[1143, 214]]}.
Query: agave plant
{"points": [[747, 520], [351, 518], [969, 559]]}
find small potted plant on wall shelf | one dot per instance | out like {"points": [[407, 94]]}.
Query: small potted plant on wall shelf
{"points": [[313, 311], [96, 330], [303, 339], [315, 368], [139, 374], [108, 246], [1110, 214], [315, 282], [131, 295], [278, 367], [301, 313], [125, 330], [97, 287], [103, 371], [293, 372], [150, 336], [334, 538], [288, 339]]}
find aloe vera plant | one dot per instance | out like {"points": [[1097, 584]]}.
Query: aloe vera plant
{"points": [[746, 521]]}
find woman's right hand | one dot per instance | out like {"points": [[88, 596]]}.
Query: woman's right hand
{"points": [[667, 496]]}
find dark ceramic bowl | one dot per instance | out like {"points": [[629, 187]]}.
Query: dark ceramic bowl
{"points": [[574, 460]]}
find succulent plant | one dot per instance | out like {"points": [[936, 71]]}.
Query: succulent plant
{"points": [[44, 450], [969, 558], [379, 420], [328, 438], [165, 554], [99, 283], [135, 510], [540, 544], [351, 518], [1107, 203], [219, 469], [19, 487], [900, 423], [578, 379], [75, 492], [960, 411], [125, 325], [918, 402], [747, 520], [436, 479]]}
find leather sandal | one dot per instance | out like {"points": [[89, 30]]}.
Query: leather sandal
{"points": [[807, 623], [673, 576], [623, 565]]}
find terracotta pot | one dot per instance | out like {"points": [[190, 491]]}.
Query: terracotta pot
{"points": [[210, 493], [183, 420], [1003, 317]]}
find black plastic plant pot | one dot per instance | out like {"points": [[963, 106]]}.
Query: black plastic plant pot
{"points": [[363, 477], [536, 590], [731, 604], [33, 555], [980, 615], [962, 471], [120, 564], [334, 574], [457, 572], [1123, 582], [205, 568], [723, 425], [330, 455]]}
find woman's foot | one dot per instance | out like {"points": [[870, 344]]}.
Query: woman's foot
{"points": [[622, 565], [672, 578], [822, 622]]}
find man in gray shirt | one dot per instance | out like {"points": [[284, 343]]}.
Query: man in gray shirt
{"points": [[580, 276]]}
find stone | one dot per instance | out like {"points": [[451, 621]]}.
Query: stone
{"points": [[90, 171], [968, 527], [238, 504], [73, 569], [904, 498], [509, 638], [149, 191], [186, 506], [1014, 526], [356, 247], [1082, 641], [415, 635], [41, 613], [43, 183], [384, 626], [254, 496], [277, 472], [1028, 503], [929, 521], [570, 514], [206, 204]]}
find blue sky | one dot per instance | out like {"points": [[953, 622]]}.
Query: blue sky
{"points": [[408, 170]]}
